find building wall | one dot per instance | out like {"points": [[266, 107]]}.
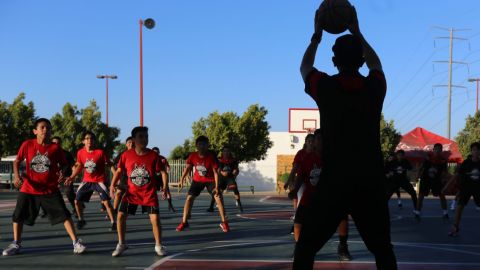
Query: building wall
{"points": [[263, 173]]}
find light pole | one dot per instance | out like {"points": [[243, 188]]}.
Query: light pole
{"points": [[106, 77], [149, 24]]}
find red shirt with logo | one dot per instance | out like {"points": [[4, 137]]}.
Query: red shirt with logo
{"points": [[141, 170], [93, 164], [42, 167], [203, 166], [309, 171]]}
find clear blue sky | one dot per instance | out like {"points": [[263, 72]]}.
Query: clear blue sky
{"points": [[225, 55]]}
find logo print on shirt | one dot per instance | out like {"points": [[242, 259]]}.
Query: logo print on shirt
{"points": [[432, 172], [226, 168], [202, 171], [315, 175], [475, 174], [399, 170], [139, 176], [40, 163], [90, 165]]}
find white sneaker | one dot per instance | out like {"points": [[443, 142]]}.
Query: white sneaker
{"points": [[160, 250], [453, 205], [119, 250], [79, 248], [12, 249]]}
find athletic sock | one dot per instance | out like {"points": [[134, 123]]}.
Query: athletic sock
{"points": [[343, 239]]}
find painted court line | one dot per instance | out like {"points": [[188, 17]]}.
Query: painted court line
{"points": [[162, 261]]}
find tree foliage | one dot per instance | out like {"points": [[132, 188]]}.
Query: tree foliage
{"points": [[17, 119], [16, 124], [389, 136], [71, 124], [247, 135], [469, 134]]}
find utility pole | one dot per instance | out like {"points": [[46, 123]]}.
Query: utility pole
{"points": [[450, 62], [475, 80]]}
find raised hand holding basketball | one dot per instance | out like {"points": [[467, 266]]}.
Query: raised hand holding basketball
{"points": [[353, 27]]}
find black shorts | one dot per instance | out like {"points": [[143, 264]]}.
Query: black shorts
{"points": [[86, 189], [28, 206], [427, 185], [302, 213], [123, 184], [197, 187], [226, 183], [467, 190], [131, 209]]}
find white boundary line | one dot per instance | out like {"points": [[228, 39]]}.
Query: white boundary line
{"points": [[162, 261]]}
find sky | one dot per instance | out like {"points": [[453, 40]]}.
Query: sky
{"points": [[223, 55]]}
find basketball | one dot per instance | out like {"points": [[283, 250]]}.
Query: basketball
{"points": [[337, 14]]}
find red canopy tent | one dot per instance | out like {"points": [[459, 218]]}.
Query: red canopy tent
{"points": [[419, 142]]}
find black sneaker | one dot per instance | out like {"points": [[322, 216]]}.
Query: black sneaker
{"points": [[43, 214], [292, 230], [81, 224], [343, 253], [445, 216], [113, 228], [210, 209]]}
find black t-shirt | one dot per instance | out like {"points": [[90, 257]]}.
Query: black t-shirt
{"points": [[470, 171], [350, 108], [400, 168], [433, 168], [227, 165], [70, 161]]}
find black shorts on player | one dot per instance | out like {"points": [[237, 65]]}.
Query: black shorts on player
{"points": [[433, 185], [28, 207], [468, 190], [131, 209], [227, 183], [86, 189], [197, 187]]}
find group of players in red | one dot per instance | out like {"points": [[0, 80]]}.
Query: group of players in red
{"points": [[138, 174]]}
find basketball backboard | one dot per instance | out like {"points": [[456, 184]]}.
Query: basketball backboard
{"points": [[302, 120]]}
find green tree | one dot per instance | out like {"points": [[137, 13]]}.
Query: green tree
{"points": [[73, 122], [389, 136], [469, 134], [16, 124], [247, 135], [182, 151]]}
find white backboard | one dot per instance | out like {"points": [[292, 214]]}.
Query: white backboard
{"points": [[300, 120]]}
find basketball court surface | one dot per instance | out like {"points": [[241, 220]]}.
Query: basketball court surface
{"points": [[259, 239]]}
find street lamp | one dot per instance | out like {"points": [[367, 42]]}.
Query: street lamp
{"points": [[475, 80], [106, 77], [149, 24]]}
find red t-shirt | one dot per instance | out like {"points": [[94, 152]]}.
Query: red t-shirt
{"points": [[204, 167], [310, 169], [41, 167], [299, 156], [141, 170], [93, 164]]}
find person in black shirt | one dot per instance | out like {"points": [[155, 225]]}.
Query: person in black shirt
{"points": [[389, 173], [399, 179], [430, 174], [469, 177], [350, 106], [67, 189]]}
